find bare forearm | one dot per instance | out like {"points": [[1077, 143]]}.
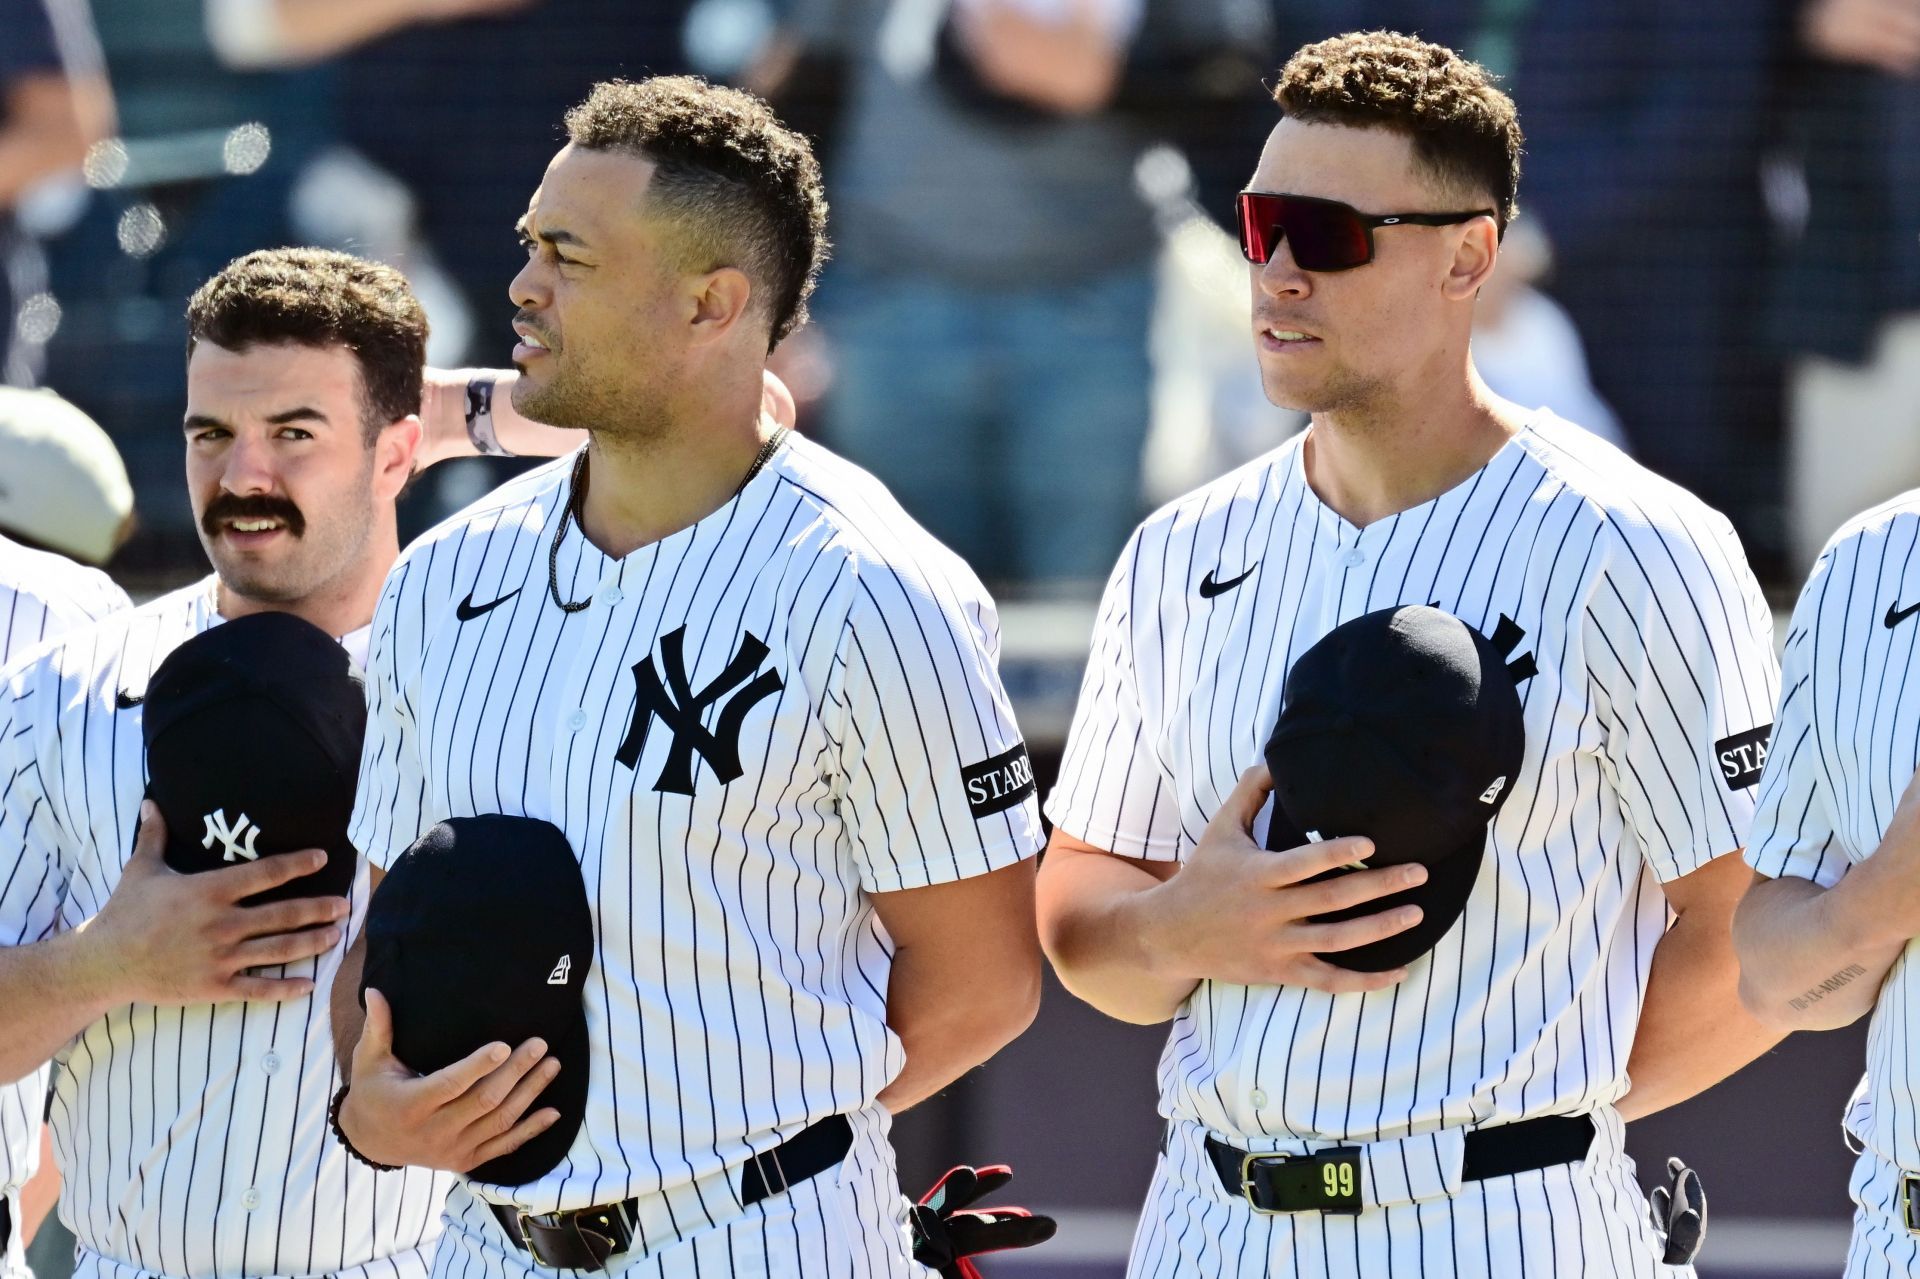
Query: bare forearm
{"points": [[948, 1028], [1098, 938], [50, 991], [1693, 1032], [348, 1018], [443, 413], [1809, 960]]}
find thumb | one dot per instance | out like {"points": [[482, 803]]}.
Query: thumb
{"points": [[376, 1037], [150, 838], [1244, 801]]}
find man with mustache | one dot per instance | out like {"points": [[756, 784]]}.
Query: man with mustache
{"points": [[197, 1064]]}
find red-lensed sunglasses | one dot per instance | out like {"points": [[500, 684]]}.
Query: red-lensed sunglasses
{"points": [[1324, 235]]}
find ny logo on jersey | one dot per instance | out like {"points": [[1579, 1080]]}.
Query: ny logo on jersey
{"points": [[558, 977], [683, 710], [232, 847]]}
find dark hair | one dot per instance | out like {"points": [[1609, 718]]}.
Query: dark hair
{"points": [[1463, 128], [743, 185], [317, 297]]}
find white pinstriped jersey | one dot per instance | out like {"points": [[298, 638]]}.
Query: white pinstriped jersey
{"points": [[1845, 747], [193, 1140], [42, 595], [755, 724], [1651, 644]]}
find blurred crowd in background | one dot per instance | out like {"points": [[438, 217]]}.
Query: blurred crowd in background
{"points": [[1035, 323]]}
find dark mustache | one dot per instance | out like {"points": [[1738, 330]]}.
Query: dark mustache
{"points": [[525, 320], [259, 506]]}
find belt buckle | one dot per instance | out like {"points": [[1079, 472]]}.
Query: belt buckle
{"points": [[1909, 1207], [529, 1240], [1247, 1164], [1332, 1178]]}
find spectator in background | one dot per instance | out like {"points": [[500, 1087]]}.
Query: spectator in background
{"points": [[989, 304], [54, 104], [1645, 125], [1846, 306]]}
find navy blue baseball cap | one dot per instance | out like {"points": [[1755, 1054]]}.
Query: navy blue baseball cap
{"points": [[1403, 725], [482, 932], [253, 732]]}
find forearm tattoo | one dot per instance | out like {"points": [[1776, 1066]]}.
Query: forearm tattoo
{"points": [[1842, 978]]}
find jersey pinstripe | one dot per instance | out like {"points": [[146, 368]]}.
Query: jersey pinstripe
{"points": [[1652, 645], [1846, 745], [755, 724], [193, 1140], [42, 595]]}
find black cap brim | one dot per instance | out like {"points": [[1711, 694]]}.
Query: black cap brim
{"points": [[1441, 900]]}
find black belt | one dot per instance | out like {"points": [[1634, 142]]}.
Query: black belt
{"points": [[6, 1224], [584, 1238], [1329, 1180]]}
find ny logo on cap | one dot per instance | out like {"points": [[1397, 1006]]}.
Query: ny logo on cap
{"points": [[558, 977], [682, 709], [232, 848]]}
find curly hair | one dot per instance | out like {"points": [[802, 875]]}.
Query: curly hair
{"points": [[320, 298], [1463, 128], [743, 187]]}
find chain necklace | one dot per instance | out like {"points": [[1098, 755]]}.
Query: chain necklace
{"points": [[570, 514]]}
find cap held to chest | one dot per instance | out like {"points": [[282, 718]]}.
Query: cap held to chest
{"points": [[482, 931], [1405, 726], [253, 732]]}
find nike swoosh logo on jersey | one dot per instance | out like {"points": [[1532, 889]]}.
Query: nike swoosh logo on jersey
{"points": [[1895, 616], [1210, 588], [127, 701], [467, 610]]}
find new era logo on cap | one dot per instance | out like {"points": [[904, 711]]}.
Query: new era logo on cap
{"points": [[1492, 792], [558, 977]]}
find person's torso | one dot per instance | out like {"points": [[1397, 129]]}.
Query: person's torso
{"points": [[193, 1139], [683, 729], [1527, 1006]]}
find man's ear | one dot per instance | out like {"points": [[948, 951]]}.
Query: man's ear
{"points": [[720, 300], [1474, 258], [396, 456]]}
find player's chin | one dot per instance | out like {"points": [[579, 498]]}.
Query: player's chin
{"points": [[251, 577]]}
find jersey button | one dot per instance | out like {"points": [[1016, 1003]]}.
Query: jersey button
{"points": [[1259, 1099], [576, 721], [250, 1200], [611, 597], [1353, 557], [270, 1063]]}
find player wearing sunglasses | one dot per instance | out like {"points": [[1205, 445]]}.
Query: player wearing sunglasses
{"points": [[1454, 1108]]}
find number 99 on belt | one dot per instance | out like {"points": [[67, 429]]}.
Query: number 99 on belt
{"points": [[1328, 1181]]}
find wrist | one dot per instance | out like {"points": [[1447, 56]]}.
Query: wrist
{"points": [[93, 973], [338, 1122]]}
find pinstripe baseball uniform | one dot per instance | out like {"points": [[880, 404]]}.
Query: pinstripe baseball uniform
{"points": [[194, 1139], [1650, 655], [752, 725], [42, 595], [1844, 750]]}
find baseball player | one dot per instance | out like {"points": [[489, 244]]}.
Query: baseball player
{"points": [[758, 701], [1825, 933], [65, 484], [1459, 1113], [190, 1115]]}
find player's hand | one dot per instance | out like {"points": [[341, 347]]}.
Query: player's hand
{"points": [[1238, 913], [1679, 1214], [453, 1119], [168, 938], [947, 1229], [1875, 33]]}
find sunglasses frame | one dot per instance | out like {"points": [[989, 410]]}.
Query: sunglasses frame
{"points": [[1368, 222]]}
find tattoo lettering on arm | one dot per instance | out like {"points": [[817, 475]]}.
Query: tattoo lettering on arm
{"points": [[1827, 987]]}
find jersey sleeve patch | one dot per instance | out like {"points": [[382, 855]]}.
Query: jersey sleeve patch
{"points": [[1743, 756], [997, 784]]}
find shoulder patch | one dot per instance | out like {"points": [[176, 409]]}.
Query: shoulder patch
{"points": [[1743, 755], [997, 784]]}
